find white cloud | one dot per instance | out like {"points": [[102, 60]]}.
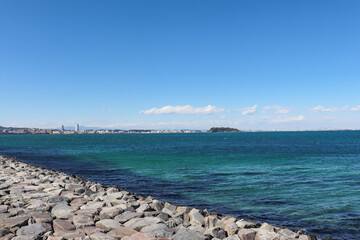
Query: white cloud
{"points": [[186, 109], [357, 108], [321, 108], [278, 109], [249, 110], [290, 119]]}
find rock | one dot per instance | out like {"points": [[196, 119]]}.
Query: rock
{"points": [[268, 227], [196, 218], [231, 228], [183, 209], [210, 221], [173, 222], [62, 211], [245, 224], [42, 217], [163, 216], [143, 208], [287, 234], [216, 232], [169, 209], [304, 237], [4, 208], [197, 228], [121, 232], [108, 224], [184, 233], [139, 223], [34, 229], [140, 236], [14, 222], [110, 212], [159, 230], [26, 237], [62, 225], [70, 234], [82, 221], [233, 237], [78, 202], [101, 236], [265, 234], [126, 216], [116, 195], [247, 234], [157, 205]]}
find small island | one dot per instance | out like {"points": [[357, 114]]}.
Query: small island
{"points": [[223, 129]]}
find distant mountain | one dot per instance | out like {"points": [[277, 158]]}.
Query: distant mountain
{"points": [[223, 129]]}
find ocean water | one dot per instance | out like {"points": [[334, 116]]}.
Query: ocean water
{"points": [[299, 180]]}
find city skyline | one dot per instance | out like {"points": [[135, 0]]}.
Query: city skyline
{"points": [[180, 65]]}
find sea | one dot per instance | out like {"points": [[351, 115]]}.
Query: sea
{"points": [[298, 180]]}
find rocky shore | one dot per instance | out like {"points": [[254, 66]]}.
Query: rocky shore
{"points": [[37, 203]]}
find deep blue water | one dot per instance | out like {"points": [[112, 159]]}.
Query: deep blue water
{"points": [[300, 180]]}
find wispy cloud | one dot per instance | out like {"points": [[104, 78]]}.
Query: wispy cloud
{"points": [[289, 119], [106, 109], [277, 109], [186, 109], [248, 110], [354, 109], [321, 108]]}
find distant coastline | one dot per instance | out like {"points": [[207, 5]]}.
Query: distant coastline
{"points": [[40, 131]]}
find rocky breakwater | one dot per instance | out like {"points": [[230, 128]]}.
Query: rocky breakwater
{"points": [[37, 203]]}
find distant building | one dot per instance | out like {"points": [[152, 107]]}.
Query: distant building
{"points": [[76, 127], [62, 128]]}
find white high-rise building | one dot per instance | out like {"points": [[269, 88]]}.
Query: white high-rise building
{"points": [[76, 127], [62, 128]]}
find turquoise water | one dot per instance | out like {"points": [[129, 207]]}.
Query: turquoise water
{"points": [[300, 180]]}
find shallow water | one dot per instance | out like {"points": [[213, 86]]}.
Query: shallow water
{"points": [[300, 180]]}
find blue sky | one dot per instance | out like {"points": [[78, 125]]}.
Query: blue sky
{"points": [[180, 64]]}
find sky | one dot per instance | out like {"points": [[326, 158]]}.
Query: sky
{"points": [[253, 65]]}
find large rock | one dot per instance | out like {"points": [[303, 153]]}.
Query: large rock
{"points": [[82, 221], [42, 217], [140, 236], [210, 221], [245, 224], [108, 224], [34, 229], [14, 222], [216, 232], [126, 216], [159, 230], [231, 228], [62, 225], [196, 218], [265, 234], [247, 234], [110, 212], [184, 233], [101, 236], [121, 232], [62, 211], [138, 223]]}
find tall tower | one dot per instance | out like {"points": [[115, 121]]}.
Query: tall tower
{"points": [[76, 127], [62, 128]]}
